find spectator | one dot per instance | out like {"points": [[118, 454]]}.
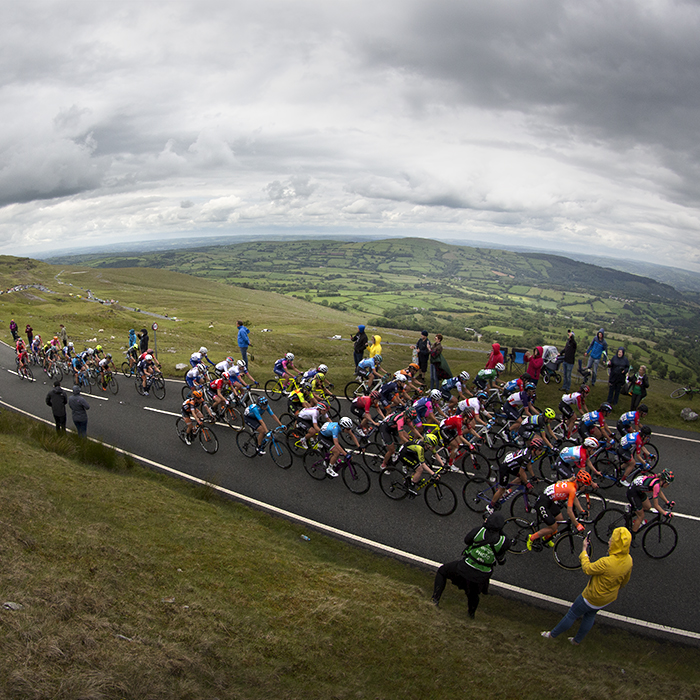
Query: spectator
{"points": [[595, 351], [423, 348], [143, 340], [569, 360], [79, 408], [640, 384], [243, 341], [30, 334], [486, 546], [63, 335], [535, 363], [619, 366], [439, 369], [608, 575], [132, 338], [56, 399], [360, 340], [13, 330], [375, 347], [495, 357]]}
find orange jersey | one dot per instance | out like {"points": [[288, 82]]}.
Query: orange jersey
{"points": [[562, 491]]}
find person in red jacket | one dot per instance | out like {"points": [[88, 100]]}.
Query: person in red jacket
{"points": [[535, 363], [495, 357]]}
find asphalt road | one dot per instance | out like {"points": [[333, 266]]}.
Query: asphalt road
{"points": [[661, 592]]}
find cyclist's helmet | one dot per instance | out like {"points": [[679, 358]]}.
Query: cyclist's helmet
{"points": [[262, 401], [345, 423], [148, 357], [400, 377], [109, 355], [320, 375], [98, 347], [413, 366], [643, 408], [229, 360], [200, 367], [464, 376], [322, 406], [605, 407], [591, 443], [203, 350], [241, 364], [70, 345], [151, 351], [197, 394], [667, 475], [467, 415], [537, 443], [378, 359], [500, 367], [583, 477], [481, 395], [323, 369], [645, 430], [374, 395], [431, 440], [226, 376], [585, 389], [530, 387], [549, 414], [436, 394], [410, 414], [289, 356]]}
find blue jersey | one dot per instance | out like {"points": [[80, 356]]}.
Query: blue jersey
{"points": [[331, 430], [388, 390], [366, 365], [629, 418], [423, 406], [254, 411], [592, 418]]}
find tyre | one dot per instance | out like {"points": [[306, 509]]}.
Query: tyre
{"points": [[517, 530], [353, 390], [315, 464], [557, 377], [186, 392], [333, 406], [280, 454], [475, 464], [356, 478], [56, 373], [181, 428], [477, 493], [208, 440], [653, 455], [595, 504], [287, 419], [92, 377], [659, 540], [609, 470], [273, 389], [373, 459], [677, 393], [566, 551], [113, 385], [233, 418], [294, 437], [547, 470], [393, 483], [158, 388], [607, 521], [247, 443], [86, 386], [545, 376], [440, 498], [139, 386], [523, 506], [126, 369]]}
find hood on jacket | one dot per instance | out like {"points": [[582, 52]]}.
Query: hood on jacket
{"points": [[377, 339], [623, 350], [538, 351], [494, 522], [361, 329], [601, 331], [76, 389], [496, 347], [620, 541]]}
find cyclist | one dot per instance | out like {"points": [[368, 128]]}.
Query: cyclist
{"points": [[191, 413], [132, 354], [216, 389], [317, 384], [224, 366], [36, 347], [510, 387], [196, 377], [146, 368], [284, 369], [329, 435], [453, 431], [631, 421], [99, 351], [489, 377], [527, 426], [521, 402], [310, 419], [390, 395], [68, 352], [549, 507], [638, 496], [238, 372], [22, 355], [253, 418], [392, 432], [361, 406], [425, 408], [298, 399], [475, 405], [573, 405], [370, 369], [197, 357], [593, 423], [106, 365], [78, 367], [512, 470], [573, 459], [632, 449], [311, 373], [460, 385], [412, 456]]}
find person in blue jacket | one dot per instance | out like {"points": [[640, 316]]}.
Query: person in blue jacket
{"points": [[243, 341], [595, 351]]}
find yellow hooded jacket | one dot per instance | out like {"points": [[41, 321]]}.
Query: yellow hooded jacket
{"points": [[375, 347], [608, 574]]}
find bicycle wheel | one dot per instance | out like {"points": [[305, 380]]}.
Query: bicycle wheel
{"points": [[517, 530], [315, 464], [545, 376], [280, 454], [523, 505], [653, 455], [333, 406], [595, 504], [373, 459], [294, 438], [273, 389], [181, 428], [85, 385], [113, 384], [158, 388], [609, 470], [607, 521], [475, 464], [56, 373], [208, 440], [138, 385], [440, 498], [247, 443], [477, 493], [393, 483], [92, 377], [287, 419], [356, 478], [233, 418], [659, 539], [566, 550], [677, 393], [126, 369], [547, 470], [186, 392], [353, 390]]}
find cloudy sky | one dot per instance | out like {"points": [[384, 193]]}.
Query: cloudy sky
{"points": [[560, 124]]}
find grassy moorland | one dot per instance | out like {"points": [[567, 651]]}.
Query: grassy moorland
{"points": [[134, 586]]}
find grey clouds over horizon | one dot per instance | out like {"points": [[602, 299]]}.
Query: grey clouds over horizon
{"points": [[560, 124]]}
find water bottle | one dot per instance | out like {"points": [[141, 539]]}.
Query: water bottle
{"points": [[305, 538]]}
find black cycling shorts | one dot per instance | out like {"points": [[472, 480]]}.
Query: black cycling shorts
{"points": [[511, 412], [357, 411], [547, 509], [389, 434], [636, 497], [252, 423], [506, 473], [566, 410]]}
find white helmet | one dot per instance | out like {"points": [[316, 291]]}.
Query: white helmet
{"points": [[201, 368], [323, 368], [400, 377], [436, 394], [500, 367], [591, 443], [290, 356], [345, 423], [70, 345], [203, 350], [464, 375], [240, 363], [148, 357]]}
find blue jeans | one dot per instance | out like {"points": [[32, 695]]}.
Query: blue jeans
{"points": [[579, 609], [593, 363], [567, 369], [244, 354]]}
